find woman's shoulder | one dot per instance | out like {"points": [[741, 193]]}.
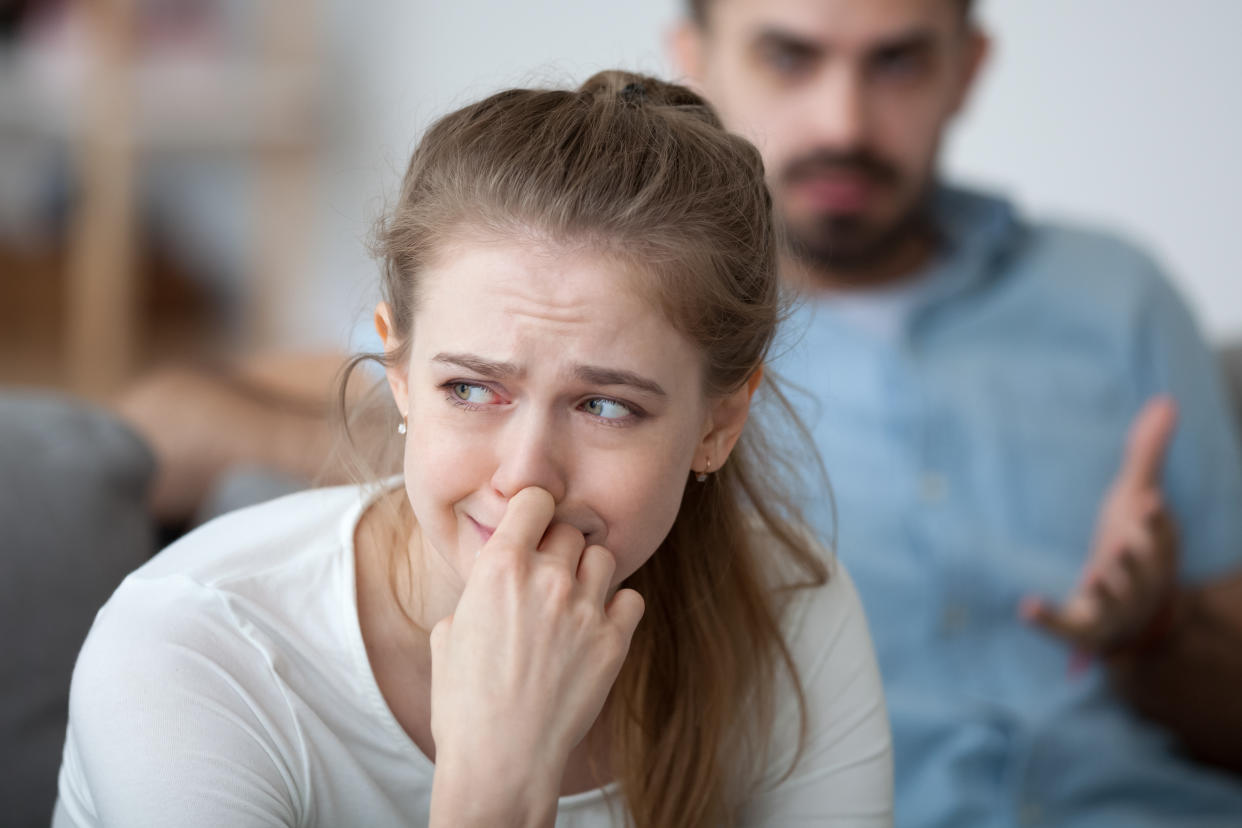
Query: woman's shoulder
{"points": [[813, 591], [843, 747], [198, 654], [170, 689], [253, 587], [250, 574], [825, 623], [251, 540]]}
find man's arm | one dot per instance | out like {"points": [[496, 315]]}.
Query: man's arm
{"points": [[1188, 677], [272, 411]]}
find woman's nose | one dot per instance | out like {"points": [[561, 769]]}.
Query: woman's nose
{"points": [[531, 452]]}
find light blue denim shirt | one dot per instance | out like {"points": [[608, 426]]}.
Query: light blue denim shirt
{"points": [[968, 449]]}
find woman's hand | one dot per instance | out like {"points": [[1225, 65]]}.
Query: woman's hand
{"points": [[522, 668]]}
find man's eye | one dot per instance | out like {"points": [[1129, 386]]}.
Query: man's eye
{"points": [[898, 64], [606, 409], [786, 61]]}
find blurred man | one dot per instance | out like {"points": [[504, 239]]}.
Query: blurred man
{"points": [[1038, 482]]}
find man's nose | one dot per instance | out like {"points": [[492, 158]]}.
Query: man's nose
{"points": [[837, 109], [531, 452]]}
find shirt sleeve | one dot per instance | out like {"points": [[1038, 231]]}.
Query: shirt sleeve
{"points": [[175, 719], [844, 775], [1203, 470]]}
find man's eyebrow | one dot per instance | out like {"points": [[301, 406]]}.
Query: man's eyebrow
{"points": [[596, 375], [489, 368], [916, 38], [773, 37]]}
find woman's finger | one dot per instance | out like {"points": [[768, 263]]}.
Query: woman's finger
{"points": [[595, 571], [525, 520], [563, 543], [626, 610]]}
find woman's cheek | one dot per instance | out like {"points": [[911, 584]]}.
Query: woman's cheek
{"points": [[640, 524], [437, 474]]}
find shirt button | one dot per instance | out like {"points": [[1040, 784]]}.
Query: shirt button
{"points": [[954, 618], [933, 487]]}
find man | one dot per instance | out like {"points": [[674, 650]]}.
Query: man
{"points": [[1038, 483]]}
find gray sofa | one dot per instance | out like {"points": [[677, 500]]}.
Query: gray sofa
{"points": [[73, 523], [74, 486]]}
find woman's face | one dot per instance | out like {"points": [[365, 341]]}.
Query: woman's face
{"points": [[534, 365]]}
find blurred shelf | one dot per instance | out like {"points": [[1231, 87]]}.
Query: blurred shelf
{"points": [[111, 102], [178, 104], [179, 321]]}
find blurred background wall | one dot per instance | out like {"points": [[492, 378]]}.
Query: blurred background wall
{"points": [[269, 134], [1126, 113], [1123, 113]]}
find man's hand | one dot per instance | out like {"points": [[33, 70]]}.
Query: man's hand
{"points": [[1132, 569]]}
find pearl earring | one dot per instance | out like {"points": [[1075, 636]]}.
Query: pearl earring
{"points": [[401, 427], [702, 476]]}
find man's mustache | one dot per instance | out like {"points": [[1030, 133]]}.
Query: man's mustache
{"points": [[859, 162]]}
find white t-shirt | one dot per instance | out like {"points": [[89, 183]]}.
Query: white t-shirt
{"points": [[226, 683]]}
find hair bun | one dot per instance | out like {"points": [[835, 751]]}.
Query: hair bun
{"points": [[634, 92], [644, 90]]}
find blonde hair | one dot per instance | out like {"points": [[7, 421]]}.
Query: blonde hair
{"points": [[642, 169]]}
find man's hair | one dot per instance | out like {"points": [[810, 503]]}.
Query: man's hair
{"points": [[698, 9]]}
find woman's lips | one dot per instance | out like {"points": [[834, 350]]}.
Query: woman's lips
{"points": [[484, 531]]}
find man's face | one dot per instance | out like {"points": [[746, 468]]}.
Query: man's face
{"points": [[847, 101]]}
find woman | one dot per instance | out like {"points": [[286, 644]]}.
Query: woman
{"points": [[580, 290]]}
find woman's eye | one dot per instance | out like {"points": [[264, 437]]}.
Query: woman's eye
{"points": [[468, 392], [607, 409]]}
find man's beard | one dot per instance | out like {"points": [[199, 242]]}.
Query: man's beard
{"points": [[851, 246]]}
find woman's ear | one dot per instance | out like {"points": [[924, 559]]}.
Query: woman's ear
{"points": [[398, 374], [725, 419]]}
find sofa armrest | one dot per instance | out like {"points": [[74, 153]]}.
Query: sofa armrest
{"points": [[74, 521]]}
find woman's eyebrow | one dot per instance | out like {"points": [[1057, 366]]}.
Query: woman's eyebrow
{"points": [[596, 375], [593, 374], [484, 367]]}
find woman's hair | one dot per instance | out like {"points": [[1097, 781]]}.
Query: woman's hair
{"points": [[640, 169]]}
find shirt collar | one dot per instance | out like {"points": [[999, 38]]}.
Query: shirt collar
{"points": [[976, 229]]}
